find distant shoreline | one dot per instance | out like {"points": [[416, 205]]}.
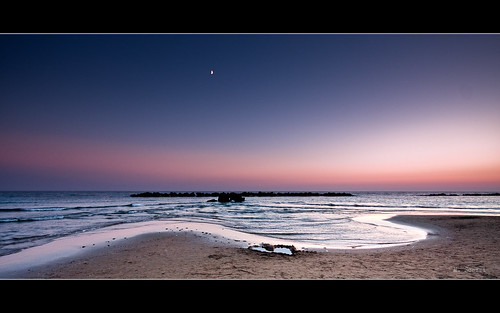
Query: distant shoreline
{"points": [[244, 194], [464, 194]]}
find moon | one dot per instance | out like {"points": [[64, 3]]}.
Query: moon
{"points": [[211, 72]]}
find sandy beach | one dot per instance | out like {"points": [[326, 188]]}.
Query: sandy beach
{"points": [[458, 247]]}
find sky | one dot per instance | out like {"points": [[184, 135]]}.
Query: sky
{"points": [[283, 112]]}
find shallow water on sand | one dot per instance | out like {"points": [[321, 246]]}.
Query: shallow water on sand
{"points": [[30, 219]]}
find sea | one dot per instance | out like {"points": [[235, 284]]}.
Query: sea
{"points": [[30, 219]]}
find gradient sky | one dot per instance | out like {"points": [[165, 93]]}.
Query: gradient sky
{"points": [[281, 112]]}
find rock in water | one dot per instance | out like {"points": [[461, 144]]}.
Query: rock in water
{"points": [[236, 197], [224, 198]]}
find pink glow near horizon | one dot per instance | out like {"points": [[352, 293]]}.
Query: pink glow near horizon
{"points": [[383, 164]]}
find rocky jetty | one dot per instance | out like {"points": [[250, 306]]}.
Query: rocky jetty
{"points": [[241, 195], [296, 194], [164, 194]]}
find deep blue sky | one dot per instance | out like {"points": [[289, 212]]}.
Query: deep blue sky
{"points": [[281, 106]]}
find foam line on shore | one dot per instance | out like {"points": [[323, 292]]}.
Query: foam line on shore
{"points": [[74, 245]]}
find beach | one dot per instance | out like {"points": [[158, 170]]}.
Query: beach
{"points": [[457, 247], [249, 156]]}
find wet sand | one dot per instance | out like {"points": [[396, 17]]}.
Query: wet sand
{"points": [[458, 247]]}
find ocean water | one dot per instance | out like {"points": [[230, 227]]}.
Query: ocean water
{"points": [[29, 219]]}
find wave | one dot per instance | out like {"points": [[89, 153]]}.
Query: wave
{"points": [[69, 208], [24, 219], [31, 219], [33, 209], [386, 206]]}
